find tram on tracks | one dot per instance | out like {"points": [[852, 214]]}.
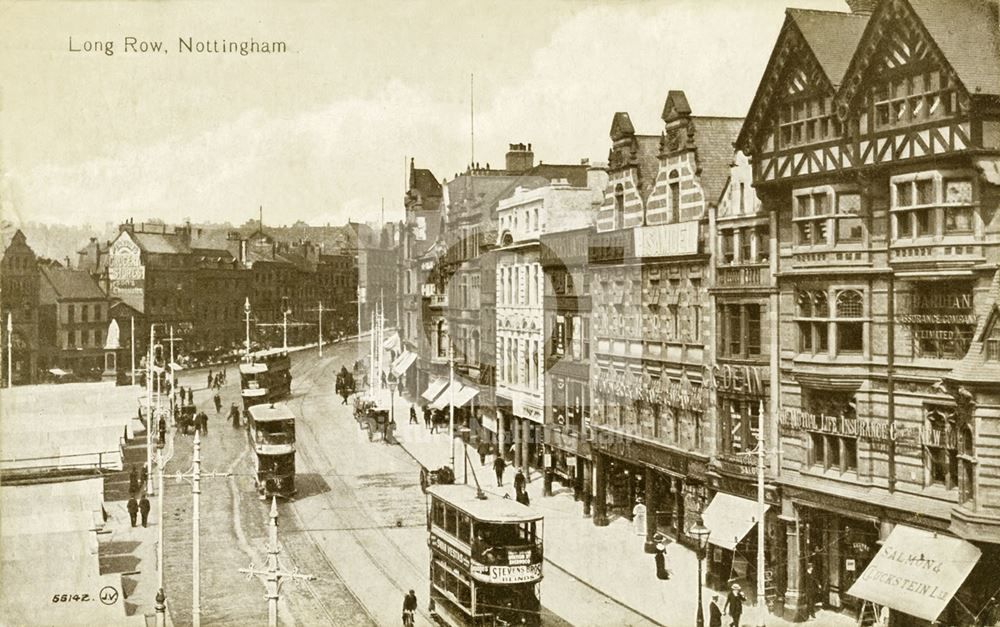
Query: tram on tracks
{"points": [[271, 430], [266, 377], [486, 558]]}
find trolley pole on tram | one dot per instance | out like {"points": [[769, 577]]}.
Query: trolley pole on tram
{"points": [[273, 574]]}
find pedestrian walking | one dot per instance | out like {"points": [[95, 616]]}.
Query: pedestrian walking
{"points": [[413, 414], [133, 481], [133, 508], [519, 481], [144, 474], [714, 612], [434, 420], [144, 509], [218, 402], [190, 396], [499, 465], [162, 428], [483, 449], [427, 416], [209, 384], [234, 415], [734, 605]]}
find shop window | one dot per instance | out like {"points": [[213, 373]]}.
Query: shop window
{"points": [[941, 447], [850, 328]]}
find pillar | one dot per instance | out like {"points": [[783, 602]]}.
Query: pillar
{"points": [[677, 491], [525, 456], [548, 470], [630, 493], [578, 478], [588, 485], [500, 433], [515, 430], [794, 609], [650, 546], [600, 491]]}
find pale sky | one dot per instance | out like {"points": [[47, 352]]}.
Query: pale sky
{"points": [[321, 133]]}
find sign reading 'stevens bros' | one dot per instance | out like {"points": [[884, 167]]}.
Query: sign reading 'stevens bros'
{"points": [[916, 572]]}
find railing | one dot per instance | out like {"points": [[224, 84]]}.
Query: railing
{"points": [[743, 276], [105, 461]]}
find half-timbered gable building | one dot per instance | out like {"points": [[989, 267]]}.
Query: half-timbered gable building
{"points": [[881, 180]]}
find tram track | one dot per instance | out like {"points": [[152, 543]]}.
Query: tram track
{"points": [[354, 504]]}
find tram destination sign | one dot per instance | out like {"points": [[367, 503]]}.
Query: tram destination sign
{"points": [[525, 573]]}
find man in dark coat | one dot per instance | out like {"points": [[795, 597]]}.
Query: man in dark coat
{"points": [[144, 474], [133, 509], [734, 605], [201, 423], [209, 384], [714, 612], [133, 481], [234, 415], [483, 449], [519, 481], [522, 497], [413, 415], [218, 402], [427, 416], [143, 509], [498, 467]]}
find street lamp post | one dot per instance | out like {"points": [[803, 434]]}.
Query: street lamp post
{"points": [[701, 533], [10, 350]]}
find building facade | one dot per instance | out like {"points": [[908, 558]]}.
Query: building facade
{"points": [[651, 318], [73, 323], [875, 154], [19, 282]]}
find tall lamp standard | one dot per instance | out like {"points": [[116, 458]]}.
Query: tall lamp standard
{"points": [[700, 533]]}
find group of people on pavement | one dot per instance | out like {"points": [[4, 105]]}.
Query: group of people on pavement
{"points": [[733, 608], [216, 380], [499, 466], [136, 486]]}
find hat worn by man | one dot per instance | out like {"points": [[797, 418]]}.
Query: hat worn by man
{"points": [[736, 587]]}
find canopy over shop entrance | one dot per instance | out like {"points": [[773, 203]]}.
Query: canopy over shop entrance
{"points": [[729, 518], [916, 572]]}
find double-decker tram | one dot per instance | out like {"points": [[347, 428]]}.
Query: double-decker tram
{"points": [[266, 377], [272, 436], [486, 558]]}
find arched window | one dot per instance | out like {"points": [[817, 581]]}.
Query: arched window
{"points": [[850, 327], [619, 206]]}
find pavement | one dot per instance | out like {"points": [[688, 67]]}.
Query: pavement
{"points": [[608, 559]]}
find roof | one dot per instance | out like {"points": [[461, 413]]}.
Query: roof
{"points": [[621, 125], [714, 138], [968, 34], [676, 105], [161, 243], [272, 412], [492, 508], [425, 182], [71, 284], [832, 36]]}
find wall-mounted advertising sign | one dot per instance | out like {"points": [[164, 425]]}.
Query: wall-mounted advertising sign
{"points": [[667, 240]]}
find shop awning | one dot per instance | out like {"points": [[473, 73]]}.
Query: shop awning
{"points": [[916, 572], [434, 389], [730, 518], [444, 398], [466, 394], [403, 363]]}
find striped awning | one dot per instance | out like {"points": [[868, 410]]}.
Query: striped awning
{"points": [[434, 389], [403, 363]]}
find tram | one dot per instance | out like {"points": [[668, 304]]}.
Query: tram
{"points": [[271, 429], [266, 377], [486, 558]]}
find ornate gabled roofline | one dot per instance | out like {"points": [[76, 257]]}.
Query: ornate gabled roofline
{"points": [[845, 100], [774, 73]]}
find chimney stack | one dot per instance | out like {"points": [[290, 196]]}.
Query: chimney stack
{"points": [[862, 7], [520, 158]]}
